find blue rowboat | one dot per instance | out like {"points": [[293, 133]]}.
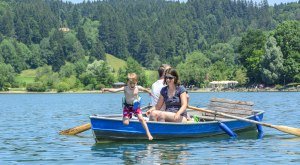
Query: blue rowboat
{"points": [[110, 127]]}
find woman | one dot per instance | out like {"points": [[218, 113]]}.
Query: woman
{"points": [[174, 96]]}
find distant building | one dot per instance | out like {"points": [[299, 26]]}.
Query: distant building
{"points": [[64, 29], [222, 84], [118, 84]]}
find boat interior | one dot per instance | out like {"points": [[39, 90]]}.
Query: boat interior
{"points": [[231, 107]]}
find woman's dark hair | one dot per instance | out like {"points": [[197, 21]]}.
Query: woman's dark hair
{"points": [[174, 73]]}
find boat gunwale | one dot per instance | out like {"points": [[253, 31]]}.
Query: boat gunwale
{"points": [[110, 117]]}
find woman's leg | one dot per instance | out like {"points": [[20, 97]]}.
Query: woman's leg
{"points": [[157, 115], [169, 117]]}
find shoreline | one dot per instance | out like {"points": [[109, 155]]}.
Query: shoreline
{"points": [[203, 90]]}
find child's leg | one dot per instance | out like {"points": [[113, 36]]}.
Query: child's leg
{"points": [[125, 120], [144, 124], [126, 115]]}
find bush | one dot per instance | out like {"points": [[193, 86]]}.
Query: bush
{"points": [[278, 86], [36, 87], [100, 86], [62, 87], [6, 86], [89, 87]]}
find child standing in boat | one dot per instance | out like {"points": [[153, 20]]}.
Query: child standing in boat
{"points": [[131, 104]]}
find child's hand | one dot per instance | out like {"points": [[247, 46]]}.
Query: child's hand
{"points": [[148, 112]]}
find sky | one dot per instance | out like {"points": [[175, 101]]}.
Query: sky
{"points": [[271, 2]]}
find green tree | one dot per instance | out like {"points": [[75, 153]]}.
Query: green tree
{"points": [[240, 75], [133, 66], [97, 51], [62, 87], [46, 50], [219, 71], [221, 52], [35, 60], [47, 77], [76, 16], [113, 36], [24, 54], [72, 47], [67, 70], [97, 73], [57, 44], [287, 36], [272, 62], [194, 70], [251, 50], [6, 20], [7, 76], [91, 32], [14, 53], [80, 66], [82, 38]]}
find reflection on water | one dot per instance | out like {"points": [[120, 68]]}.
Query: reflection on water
{"points": [[142, 152]]}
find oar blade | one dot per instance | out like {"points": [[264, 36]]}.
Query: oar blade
{"points": [[76, 130], [286, 129]]}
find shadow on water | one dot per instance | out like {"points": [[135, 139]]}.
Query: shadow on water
{"points": [[171, 151]]}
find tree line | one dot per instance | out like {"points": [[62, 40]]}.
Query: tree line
{"points": [[205, 40]]}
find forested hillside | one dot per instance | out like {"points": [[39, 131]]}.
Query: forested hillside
{"points": [[205, 40]]}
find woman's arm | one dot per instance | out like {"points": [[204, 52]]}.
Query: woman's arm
{"points": [[159, 103], [183, 98], [144, 89]]}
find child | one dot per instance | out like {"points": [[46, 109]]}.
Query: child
{"points": [[131, 92]]}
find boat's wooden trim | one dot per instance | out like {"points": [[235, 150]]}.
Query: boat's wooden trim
{"points": [[231, 107], [232, 101]]}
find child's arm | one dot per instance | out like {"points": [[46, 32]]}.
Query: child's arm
{"points": [[144, 89], [112, 89]]}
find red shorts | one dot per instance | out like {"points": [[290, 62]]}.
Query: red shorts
{"points": [[128, 111]]}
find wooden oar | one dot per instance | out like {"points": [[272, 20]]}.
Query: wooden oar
{"points": [[84, 127], [76, 130], [286, 129]]}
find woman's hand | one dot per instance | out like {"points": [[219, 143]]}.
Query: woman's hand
{"points": [[177, 117]]}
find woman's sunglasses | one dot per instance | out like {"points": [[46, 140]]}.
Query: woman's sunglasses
{"points": [[169, 77]]}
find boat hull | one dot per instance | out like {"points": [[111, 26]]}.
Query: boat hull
{"points": [[112, 128]]}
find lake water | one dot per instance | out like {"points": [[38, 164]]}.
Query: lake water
{"points": [[30, 123]]}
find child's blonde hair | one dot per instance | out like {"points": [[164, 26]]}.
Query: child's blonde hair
{"points": [[132, 77]]}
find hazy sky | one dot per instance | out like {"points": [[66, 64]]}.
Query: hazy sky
{"points": [[271, 2]]}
